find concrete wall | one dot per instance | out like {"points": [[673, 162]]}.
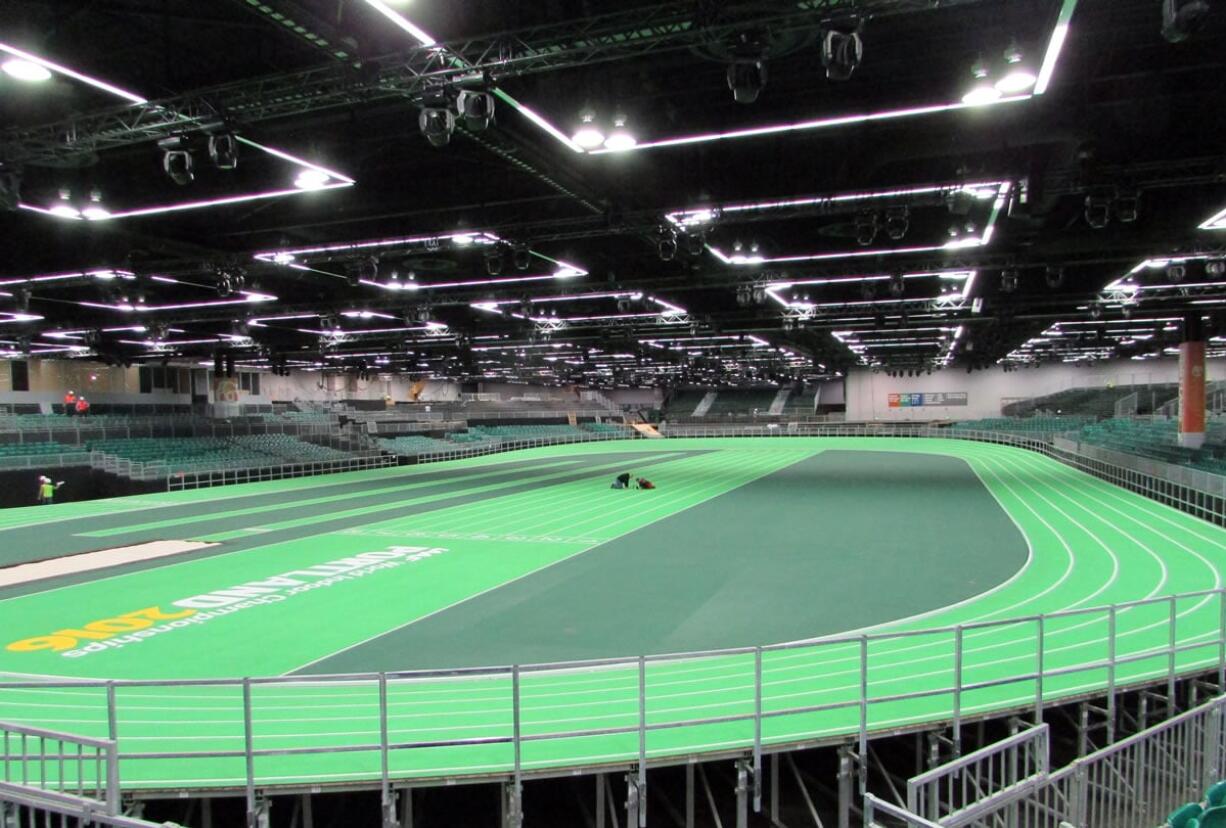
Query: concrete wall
{"points": [[987, 391], [99, 383]]}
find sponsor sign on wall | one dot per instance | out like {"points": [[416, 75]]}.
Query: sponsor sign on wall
{"points": [[918, 400]]}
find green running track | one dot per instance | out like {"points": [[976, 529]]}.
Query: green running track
{"points": [[529, 558]]}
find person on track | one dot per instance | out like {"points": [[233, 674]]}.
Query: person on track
{"points": [[644, 483], [46, 490], [622, 481]]}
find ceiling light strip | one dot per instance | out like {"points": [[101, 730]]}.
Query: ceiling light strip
{"points": [[1055, 46], [130, 97]]}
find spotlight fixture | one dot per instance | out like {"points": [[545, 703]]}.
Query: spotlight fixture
{"points": [[588, 135], [695, 243], [1128, 207], [866, 227], [1054, 276], [1175, 273], [1098, 210], [983, 92], [620, 139], [25, 70], [437, 123], [493, 262], [223, 150], [521, 256], [1009, 280], [897, 222], [10, 189], [177, 160], [841, 54], [1216, 268], [311, 179], [666, 246], [1017, 77], [746, 79], [476, 108], [1181, 18]]}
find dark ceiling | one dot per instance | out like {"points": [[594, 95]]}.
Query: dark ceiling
{"points": [[831, 223]]}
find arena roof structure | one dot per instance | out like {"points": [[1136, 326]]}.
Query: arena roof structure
{"points": [[609, 193]]}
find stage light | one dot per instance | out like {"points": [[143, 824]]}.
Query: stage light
{"points": [[25, 70], [1128, 207], [177, 161], [841, 54], [746, 79], [588, 135], [493, 262], [1098, 210], [1175, 273], [1054, 277], [897, 222], [666, 246], [94, 211], [310, 179], [437, 124], [1009, 281], [1181, 18], [620, 139], [695, 243], [223, 150], [1215, 268], [866, 228], [521, 256], [476, 109]]}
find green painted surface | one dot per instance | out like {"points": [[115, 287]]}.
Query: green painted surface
{"points": [[1091, 544]]}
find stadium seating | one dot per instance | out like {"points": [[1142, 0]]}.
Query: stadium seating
{"points": [[1094, 402], [191, 454], [683, 403], [1023, 425], [533, 431], [415, 444], [1208, 813], [742, 402]]}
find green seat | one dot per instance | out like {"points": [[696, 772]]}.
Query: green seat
{"points": [[1216, 795], [1180, 817], [1213, 818]]}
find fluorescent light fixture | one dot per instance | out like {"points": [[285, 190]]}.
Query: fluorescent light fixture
{"points": [[588, 135], [25, 70], [1055, 45], [982, 95], [402, 22], [1217, 222], [46, 65], [1016, 81], [96, 213], [12, 316], [247, 298], [311, 180]]}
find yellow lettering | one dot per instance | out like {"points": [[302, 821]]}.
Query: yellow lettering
{"points": [[57, 642]]}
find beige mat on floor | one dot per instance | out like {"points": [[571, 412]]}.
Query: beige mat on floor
{"points": [[88, 561]]}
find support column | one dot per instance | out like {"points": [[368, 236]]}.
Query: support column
{"points": [[1192, 384]]}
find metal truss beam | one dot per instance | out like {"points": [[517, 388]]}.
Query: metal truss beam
{"points": [[406, 74]]}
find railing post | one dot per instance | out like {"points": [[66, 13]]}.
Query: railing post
{"points": [[757, 730], [516, 815], [862, 758], [112, 756], [1111, 644], [248, 748], [1170, 672], [958, 690], [1221, 642], [1038, 681], [385, 793], [642, 775]]}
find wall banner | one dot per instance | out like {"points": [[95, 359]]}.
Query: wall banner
{"points": [[918, 400]]}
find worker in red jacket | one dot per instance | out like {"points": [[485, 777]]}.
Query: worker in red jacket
{"points": [[82, 406], [644, 483], [70, 402]]}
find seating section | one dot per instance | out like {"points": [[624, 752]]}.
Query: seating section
{"points": [[1159, 439], [1210, 812], [799, 404], [742, 402], [415, 444], [528, 432], [1094, 402], [1023, 425], [192, 454], [683, 403], [25, 454], [604, 428]]}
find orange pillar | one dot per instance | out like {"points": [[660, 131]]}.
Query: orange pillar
{"points": [[1192, 386]]}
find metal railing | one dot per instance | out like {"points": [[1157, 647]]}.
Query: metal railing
{"points": [[1134, 783], [1050, 672], [59, 766], [499, 446], [178, 481], [955, 793]]}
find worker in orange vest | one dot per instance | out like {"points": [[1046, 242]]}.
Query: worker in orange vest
{"points": [[82, 406], [70, 402]]}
